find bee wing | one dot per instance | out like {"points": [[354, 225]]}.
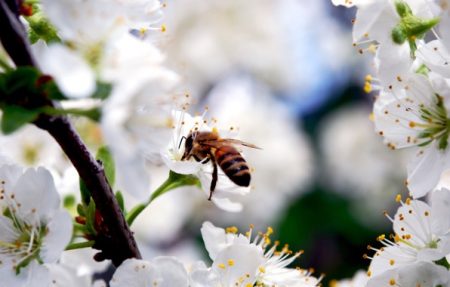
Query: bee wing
{"points": [[221, 142]]}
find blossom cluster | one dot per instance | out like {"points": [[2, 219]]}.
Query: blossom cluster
{"points": [[238, 260], [102, 60], [409, 41]]}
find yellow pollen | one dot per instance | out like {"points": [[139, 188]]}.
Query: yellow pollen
{"points": [[215, 130], [142, 31], [408, 201], [163, 28], [262, 269], [392, 282], [269, 231], [398, 198], [221, 266], [391, 262], [334, 283], [369, 273], [230, 262], [368, 78], [412, 124], [381, 237], [371, 117], [231, 229], [367, 87]]}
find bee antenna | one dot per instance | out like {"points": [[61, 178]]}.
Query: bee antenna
{"points": [[181, 141]]}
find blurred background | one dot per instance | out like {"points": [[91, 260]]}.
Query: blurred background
{"points": [[284, 73]]}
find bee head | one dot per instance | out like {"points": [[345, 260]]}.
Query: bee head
{"points": [[188, 144]]}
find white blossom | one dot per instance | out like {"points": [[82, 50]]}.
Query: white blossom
{"points": [[422, 274], [160, 271], [33, 228], [416, 117], [422, 233], [137, 124], [226, 192], [358, 280], [263, 263]]}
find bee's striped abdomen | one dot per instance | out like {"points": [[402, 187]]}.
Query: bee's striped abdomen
{"points": [[233, 165]]}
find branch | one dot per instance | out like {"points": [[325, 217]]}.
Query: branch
{"points": [[115, 240]]}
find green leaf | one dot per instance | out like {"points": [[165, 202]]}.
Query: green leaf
{"points": [[90, 218], [443, 262], [121, 201], [41, 28], [105, 156], [52, 91], [85, 193], [402, 8], [81, 210], [103, 91], [20, 80], [14, 117]]}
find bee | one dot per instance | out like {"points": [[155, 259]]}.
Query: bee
{"points": [[207, 147]]}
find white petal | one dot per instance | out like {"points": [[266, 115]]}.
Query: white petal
{"points": [[423, 274], [393, 61], [444, 31], [62, 276], [375, 20], [172, 272], [227, 205], [37, 275], [8, 232], [424, 171], [178, 166], [245, 260], [71, 72], [440, 210], [136, 273], [9, 174], [214, 238], [435, 56], [389, 258], [37, 195], [411, 220], [58, 237], [384, 279]]}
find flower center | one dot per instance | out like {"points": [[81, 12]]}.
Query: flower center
{"points": [[26, 245], [435, 125]]}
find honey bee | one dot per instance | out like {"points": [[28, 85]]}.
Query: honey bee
{"points": [[209, 146]]}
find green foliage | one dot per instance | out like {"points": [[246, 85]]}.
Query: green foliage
{"points": [[121, 201], [41, 28], [105, 156], [85, 194], [14, 117], [103, 90]]}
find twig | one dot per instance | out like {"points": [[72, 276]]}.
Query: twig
{"points": [[115, 240]]}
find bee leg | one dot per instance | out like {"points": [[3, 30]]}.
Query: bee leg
{"points": [[214, 176]]}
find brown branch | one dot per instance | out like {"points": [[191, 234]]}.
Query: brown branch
{"points": [[115, 240]]}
